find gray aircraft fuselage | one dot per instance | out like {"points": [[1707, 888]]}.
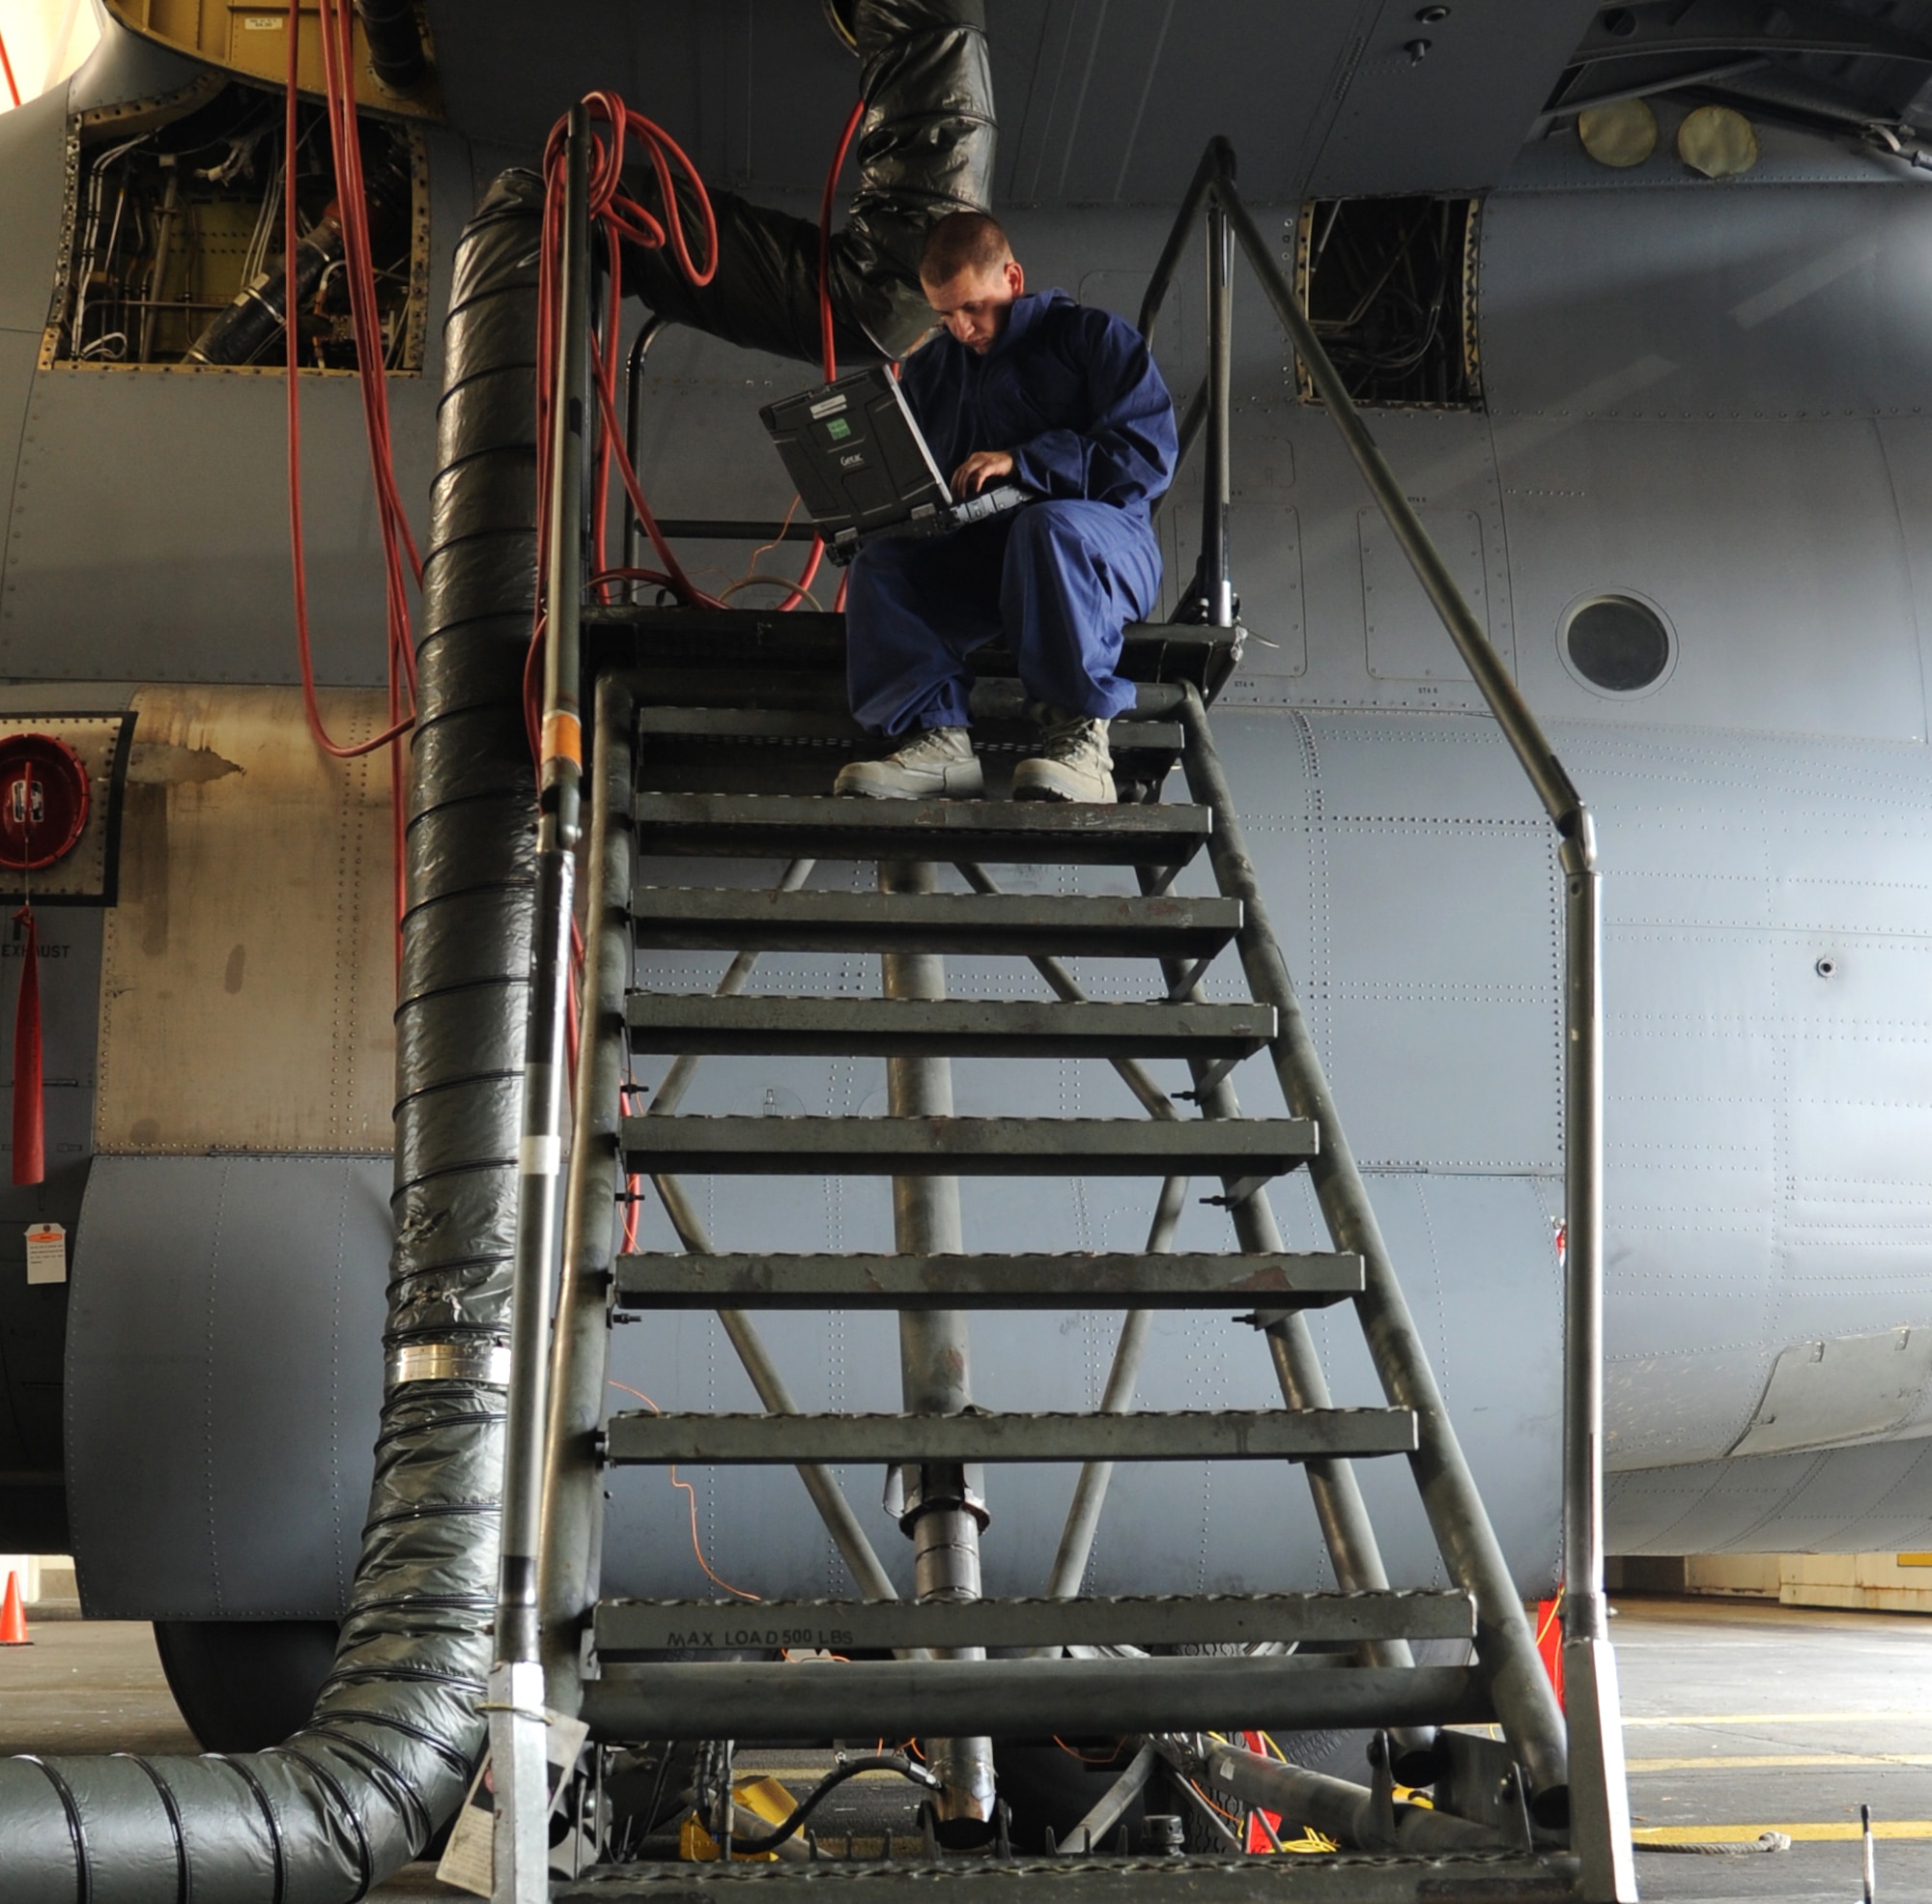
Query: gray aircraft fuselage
{"points": [[1706, 396]]}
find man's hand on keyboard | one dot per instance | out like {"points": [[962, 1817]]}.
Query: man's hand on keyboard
{"points": [[983, 467]]}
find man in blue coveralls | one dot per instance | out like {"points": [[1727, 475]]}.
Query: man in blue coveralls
{"points": [[1063, 400]]}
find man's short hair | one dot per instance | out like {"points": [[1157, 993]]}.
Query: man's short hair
{"points": [[960, 242]]}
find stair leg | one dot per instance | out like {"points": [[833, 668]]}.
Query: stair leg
{"points": [[935, 1369], [1505, 1647]]}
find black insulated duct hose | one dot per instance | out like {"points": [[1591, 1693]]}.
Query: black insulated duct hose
{"points": [[926, 150], [394, 36], [395, 1733], [254, 321]]}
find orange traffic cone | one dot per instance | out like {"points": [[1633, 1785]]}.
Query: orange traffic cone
{"points": [[13, 1617]]}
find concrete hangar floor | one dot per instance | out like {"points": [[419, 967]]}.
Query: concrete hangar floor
{"points": [[1739, 1718]]}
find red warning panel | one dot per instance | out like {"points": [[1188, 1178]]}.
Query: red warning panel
{"points": [[44, 801]]}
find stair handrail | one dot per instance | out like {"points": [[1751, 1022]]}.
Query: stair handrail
{"points": [[1594, 1722], [517, 1701]]}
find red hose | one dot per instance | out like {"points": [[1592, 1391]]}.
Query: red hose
{"points": [[826, 349], [336, 31], [825, 197], [619, 219], [7, 67]]}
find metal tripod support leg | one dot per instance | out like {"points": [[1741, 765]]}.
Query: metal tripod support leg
{"points": [[936, 1368]]}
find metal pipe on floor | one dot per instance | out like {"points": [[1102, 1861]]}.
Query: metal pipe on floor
{"points": [[945, 1515], [1353, 1814]]}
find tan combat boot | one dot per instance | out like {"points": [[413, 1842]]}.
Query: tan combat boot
{"points": [[1074, 762], [938, 764]]}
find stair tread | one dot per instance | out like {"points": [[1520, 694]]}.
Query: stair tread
{"points": [[628, 1628], [999, 831], [1082, 1279], [755, 726], [1306, 1878], [641, 1438], [996, 1028], [746, 918], [984, 1146]]}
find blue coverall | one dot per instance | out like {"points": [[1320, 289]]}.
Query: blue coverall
{"points": [[1072, 393]]}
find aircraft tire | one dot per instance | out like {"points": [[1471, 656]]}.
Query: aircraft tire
{"points": [[244, 1684]]}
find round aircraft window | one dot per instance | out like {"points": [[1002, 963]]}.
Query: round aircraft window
{"points": [[1616, 643]]}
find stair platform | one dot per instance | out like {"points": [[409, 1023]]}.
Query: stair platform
{"points": [[998, 831], [1290, 1280], [636, 1439], [1245, 1148], [633, 1629], [772, 1025], [674, 655], [707, 918]]}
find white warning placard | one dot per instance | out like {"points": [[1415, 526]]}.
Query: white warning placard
{"points": [[46, 1253]]}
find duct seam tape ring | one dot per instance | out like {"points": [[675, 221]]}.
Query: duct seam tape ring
{"points": [[487, 1363], [540, 1157]]}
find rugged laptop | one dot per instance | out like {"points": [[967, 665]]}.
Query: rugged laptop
{"points": [[863, 469]]}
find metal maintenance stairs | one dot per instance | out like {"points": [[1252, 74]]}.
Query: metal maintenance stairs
{"points": [[702, 759]]}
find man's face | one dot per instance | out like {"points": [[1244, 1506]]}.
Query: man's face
{"points": [[974, 303]]}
